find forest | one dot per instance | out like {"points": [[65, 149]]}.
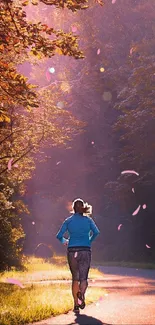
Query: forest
{"points": [[77, 110]]}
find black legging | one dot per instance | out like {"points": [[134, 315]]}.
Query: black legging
{"points": [[79, 259]]}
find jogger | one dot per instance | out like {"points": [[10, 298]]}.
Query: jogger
{"points": [[79, 227]]}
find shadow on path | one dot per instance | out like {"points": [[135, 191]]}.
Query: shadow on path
{"points": [[87, 320]]}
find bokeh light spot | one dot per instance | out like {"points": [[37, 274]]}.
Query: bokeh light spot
{"points": [[51, 70], [107, 96], [60, 105]]}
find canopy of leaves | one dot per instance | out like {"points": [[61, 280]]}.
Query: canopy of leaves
{"points": [[29, 118]]}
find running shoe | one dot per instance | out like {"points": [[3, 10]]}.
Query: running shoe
{"points": [[76, 309], [82, 300]]}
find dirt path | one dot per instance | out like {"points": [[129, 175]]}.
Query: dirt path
{"points": [[131, 300]]}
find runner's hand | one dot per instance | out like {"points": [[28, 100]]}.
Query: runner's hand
{"points": [[66, 242]]}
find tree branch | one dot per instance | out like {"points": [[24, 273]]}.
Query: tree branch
{"points": [[18, 33], [5, 157], [24, 154], [8, 136]]}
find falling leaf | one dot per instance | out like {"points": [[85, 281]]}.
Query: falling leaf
{"points": [[10, 163], [101, 69], [129, 172], [148, 246], [119, 227], [133, 190], [75, 255], [144, 206], [113, 1], [14, 281], [92, 142], [48, 76], [58, 162], [33, 223], [98, 51], [136, 211], [74, 29], [131, 50]]}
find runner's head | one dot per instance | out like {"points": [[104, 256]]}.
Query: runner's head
{"points": [[80, 207]]}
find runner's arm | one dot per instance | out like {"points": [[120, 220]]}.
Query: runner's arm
{"points": [[94, 229], [61, 232]]}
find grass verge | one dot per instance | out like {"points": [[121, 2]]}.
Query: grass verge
{"points": [[34, 303], [38, 269]]}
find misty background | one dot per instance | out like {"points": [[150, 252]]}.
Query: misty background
{"points": [[117, 107]]}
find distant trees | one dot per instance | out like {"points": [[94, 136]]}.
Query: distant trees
{"points": [[119, 132]]}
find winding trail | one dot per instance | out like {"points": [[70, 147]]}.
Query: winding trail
{"points": [[130, 300]]}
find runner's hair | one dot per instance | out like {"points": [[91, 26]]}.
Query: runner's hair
{"points": [[79, 206]]}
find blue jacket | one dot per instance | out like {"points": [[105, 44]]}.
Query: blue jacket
{"points": [[79, 228]]}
